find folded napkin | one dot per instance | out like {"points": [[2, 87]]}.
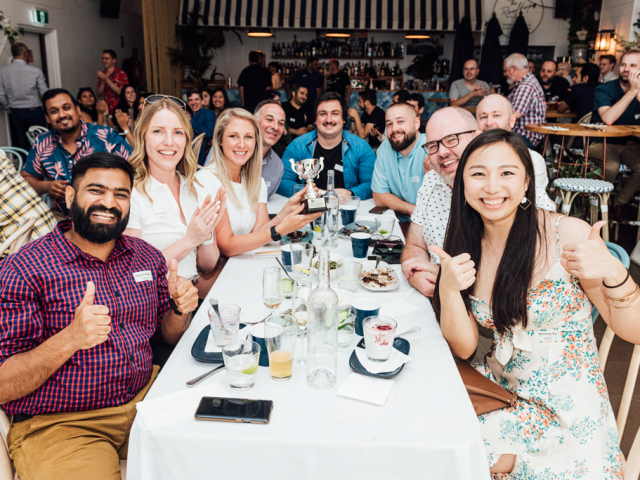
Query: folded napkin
{"points": [[397, 308], [396, 360], [366, 389], [178, 406], [211, 347]]}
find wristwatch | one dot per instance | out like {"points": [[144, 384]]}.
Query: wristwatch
{"points": [[275, 236]]}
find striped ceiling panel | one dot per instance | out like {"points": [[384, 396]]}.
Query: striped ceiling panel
{"points": [[340, 14]]}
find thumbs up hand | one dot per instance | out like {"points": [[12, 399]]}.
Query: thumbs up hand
{"points": [[591, 259], [181, 290], [91, 323], [458, 273]]}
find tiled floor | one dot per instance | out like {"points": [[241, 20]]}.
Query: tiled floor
{"points": [[617, 366]]}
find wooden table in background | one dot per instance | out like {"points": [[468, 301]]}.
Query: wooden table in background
{"points": [[555, 114]]}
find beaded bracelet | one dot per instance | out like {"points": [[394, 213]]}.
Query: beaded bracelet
{"points": [[623, 299], [619, 285]]}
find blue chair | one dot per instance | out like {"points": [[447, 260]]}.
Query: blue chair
{"points": [[621, 254], [18, 153]]}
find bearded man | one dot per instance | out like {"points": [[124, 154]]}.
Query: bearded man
{"points": [[399, 169], [78, 307]]}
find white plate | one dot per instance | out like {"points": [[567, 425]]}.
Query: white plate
{"points": [[345, 297], [368, 266]]}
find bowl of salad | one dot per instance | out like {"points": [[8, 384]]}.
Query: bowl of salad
{"points": [[335, 262]]}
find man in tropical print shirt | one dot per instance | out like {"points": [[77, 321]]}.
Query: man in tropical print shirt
{"points": [[48, 166]]}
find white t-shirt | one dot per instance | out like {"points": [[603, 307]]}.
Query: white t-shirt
{"points": [[242, 218], [159, 221]]}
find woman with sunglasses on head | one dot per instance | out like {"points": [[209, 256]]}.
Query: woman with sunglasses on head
{"points": [[532, 276], [236, 165], [169, 207], [219, 101]]}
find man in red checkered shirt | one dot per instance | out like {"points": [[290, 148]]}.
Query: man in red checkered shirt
{"points": [[527, 97], [77, 310]]}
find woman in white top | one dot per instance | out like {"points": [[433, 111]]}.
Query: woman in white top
{"points": [[236, 165], [169, 208]]}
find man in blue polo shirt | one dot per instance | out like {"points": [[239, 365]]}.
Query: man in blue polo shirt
{"points": [[616, 103], [399, 168]]}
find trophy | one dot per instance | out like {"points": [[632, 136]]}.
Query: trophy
{"points": [[308, 169]]}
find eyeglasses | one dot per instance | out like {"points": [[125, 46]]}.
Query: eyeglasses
{"points": [[449, 141], [156, 98]]}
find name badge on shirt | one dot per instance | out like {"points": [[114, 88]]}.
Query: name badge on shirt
{"points": [[144, 276], [415, 179], [338, 167], [549, 337], [637, 116]]}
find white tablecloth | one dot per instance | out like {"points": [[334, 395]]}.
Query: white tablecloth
{"points": [[426, 430]]}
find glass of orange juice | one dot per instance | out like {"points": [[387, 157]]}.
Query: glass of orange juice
{"points": [[280, 332]]}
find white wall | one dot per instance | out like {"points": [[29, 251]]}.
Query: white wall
{"points": [[82, 35], [544, 28], [619, 15]]}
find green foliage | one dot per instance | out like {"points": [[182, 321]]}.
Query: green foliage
{"points": [[197, 47], [586, 16]]}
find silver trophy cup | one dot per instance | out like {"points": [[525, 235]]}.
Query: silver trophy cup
{"points": [[308, 169]]}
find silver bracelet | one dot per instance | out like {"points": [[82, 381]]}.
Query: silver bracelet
{"points": [[278, 215]]}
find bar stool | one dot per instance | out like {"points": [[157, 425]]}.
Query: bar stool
{"points": [[570, 188]]}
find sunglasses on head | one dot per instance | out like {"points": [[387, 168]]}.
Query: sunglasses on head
{"points": [[151, 99]]}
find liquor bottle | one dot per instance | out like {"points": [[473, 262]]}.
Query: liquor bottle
{"points": [[229, 82], [383, 72], [322, 327], [330, 217]]}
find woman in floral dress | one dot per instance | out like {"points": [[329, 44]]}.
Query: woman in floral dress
{"points": [[532, 276]]}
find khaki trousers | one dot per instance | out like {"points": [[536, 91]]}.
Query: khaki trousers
{"points": [[628, 154], [74, 445]]}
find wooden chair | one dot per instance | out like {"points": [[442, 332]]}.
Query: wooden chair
{"points": [[33, 133], [20, 237], [196, 143]]}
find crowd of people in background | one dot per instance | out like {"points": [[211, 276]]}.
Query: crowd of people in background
{"points": [[161, 190]]}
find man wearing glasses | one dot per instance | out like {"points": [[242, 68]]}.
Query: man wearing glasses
{"points": [[468, 91], [449, 131]]}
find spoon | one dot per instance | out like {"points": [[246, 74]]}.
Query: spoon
{"points": [[284, 269], [194, 381], [214, 304], [415, 329]]}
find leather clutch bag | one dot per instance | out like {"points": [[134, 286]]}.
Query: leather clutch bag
{"points": [[486, 396]]}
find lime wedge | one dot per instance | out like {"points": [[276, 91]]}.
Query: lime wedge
{"points": [[300, 269], [251, 370], [317, 228], [342, 316]]}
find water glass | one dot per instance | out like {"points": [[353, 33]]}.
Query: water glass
{"points": [[346, 326], [280, 333], [241, 363], [378, 337], [301, 256], [225, 327], [349, 276], [348, 208], [385, 225], [272, 288], [301, 291]]}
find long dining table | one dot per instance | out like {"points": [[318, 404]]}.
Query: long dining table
{"points": [[426, 429]]}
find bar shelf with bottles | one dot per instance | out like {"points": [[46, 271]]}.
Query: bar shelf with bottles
{"points": [[354, 48]]}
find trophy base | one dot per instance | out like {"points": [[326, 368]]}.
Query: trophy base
{"points": [[314, 205]]}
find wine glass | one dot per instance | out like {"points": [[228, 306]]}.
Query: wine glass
{"points": [[272, 288], [301, 291]]}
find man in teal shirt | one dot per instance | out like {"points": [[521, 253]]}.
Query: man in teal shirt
{"points": [[399, 168]]}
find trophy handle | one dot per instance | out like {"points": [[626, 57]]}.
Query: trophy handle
{"points": [[293, 165], [321, 159]]}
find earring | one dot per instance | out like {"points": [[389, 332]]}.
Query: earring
{"points": [[525, 203]]}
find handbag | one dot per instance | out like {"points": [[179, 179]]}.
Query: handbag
{"points": [[485, 395]]}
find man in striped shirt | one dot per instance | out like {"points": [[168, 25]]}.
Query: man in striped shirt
{"points": [[527, 97], [77, 309]]}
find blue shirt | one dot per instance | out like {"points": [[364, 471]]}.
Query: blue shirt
{"points": [[21, 85], [398, 175], [357, 156], [49, 160], [203, 121]]}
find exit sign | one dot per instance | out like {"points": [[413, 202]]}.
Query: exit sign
{"points": [[42, 16]]}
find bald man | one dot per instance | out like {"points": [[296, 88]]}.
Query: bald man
{"points": [[399, 169], [495, 111], [468, 91]]}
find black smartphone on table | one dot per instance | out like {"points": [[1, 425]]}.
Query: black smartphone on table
{"points": [[240, 410], [378, 210]]}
